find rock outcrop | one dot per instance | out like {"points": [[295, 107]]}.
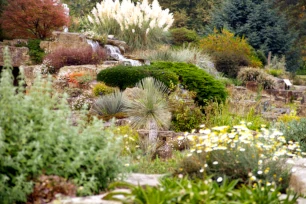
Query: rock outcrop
{"points": [[63, 39], [19, 55]]}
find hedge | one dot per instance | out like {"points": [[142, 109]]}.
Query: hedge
{"points": [[127, 76], [195, 79]]}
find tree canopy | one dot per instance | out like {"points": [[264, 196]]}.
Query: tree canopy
{"points": [[33, 18]]}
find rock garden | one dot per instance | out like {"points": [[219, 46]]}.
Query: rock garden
{"points": [[139, 105]]}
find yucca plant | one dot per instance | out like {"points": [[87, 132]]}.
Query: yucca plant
{"points": [[110, 104], [148, 108]]}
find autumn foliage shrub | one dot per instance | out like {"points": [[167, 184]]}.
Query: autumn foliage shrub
{"points": [[75, 56], [229, 52], [33, 18], [47, 187]]}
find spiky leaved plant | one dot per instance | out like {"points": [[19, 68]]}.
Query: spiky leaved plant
{"points": [[110, 104], [149, 108]]}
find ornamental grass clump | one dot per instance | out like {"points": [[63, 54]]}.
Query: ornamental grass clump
{"points": [[141, 25], [239, 153]]}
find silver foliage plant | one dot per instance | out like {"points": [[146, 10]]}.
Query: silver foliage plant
{"points": [[110, 104], [37, 137], [148, 107]]}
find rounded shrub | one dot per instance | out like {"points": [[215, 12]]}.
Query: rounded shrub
{"points": [[183, 35], [102, 89], [195, 79], [254, 74], [65, 56], [127, 76], [229, 52]]}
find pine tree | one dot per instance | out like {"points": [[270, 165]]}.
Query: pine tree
{"points": [[259, 22]]}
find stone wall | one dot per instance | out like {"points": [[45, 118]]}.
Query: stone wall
{"points": [[288, 95], [19, 55], [62, 39]]}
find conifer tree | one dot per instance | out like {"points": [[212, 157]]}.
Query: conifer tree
{"points": [[257, 20]]}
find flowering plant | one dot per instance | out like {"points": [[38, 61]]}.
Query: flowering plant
{"points": [[140, 24], [239, 153]]}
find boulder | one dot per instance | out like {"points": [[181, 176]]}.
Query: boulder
{"points": [[64, 39], [298, 179], [19, 55], [30, 72], [14, 42], [120, 44], [93, 69], [164, 152]]}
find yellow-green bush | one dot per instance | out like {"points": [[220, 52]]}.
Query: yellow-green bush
{"points": [[130, 139], [102, 89], [289, 117], [186, 115], [229, 52], [183, 35]]}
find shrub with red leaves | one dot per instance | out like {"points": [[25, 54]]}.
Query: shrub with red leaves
{"points": [[65, 56], [46, 188]]}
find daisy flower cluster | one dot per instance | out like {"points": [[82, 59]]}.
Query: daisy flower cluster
{"points": [[237, 152]]}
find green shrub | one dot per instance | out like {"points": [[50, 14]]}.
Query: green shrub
{"points": [[130, 143], [127, 76], [185, 54], [230, 63], [36, 53], [254, 74], [102, 89], [226, 114], [195, 79], [37, 137], [183, 35], [186, 115], [295, 131], [275, 72], [183, 191]]}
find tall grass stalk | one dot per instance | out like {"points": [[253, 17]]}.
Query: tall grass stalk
{"points": [[185, 54], [141, 25]]}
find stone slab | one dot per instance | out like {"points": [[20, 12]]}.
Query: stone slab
{"points": [[19, 55]]}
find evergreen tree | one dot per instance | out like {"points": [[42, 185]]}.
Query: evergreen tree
{"points": [[259, 22], [80, 8], [195, 12], [295, 12]]}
